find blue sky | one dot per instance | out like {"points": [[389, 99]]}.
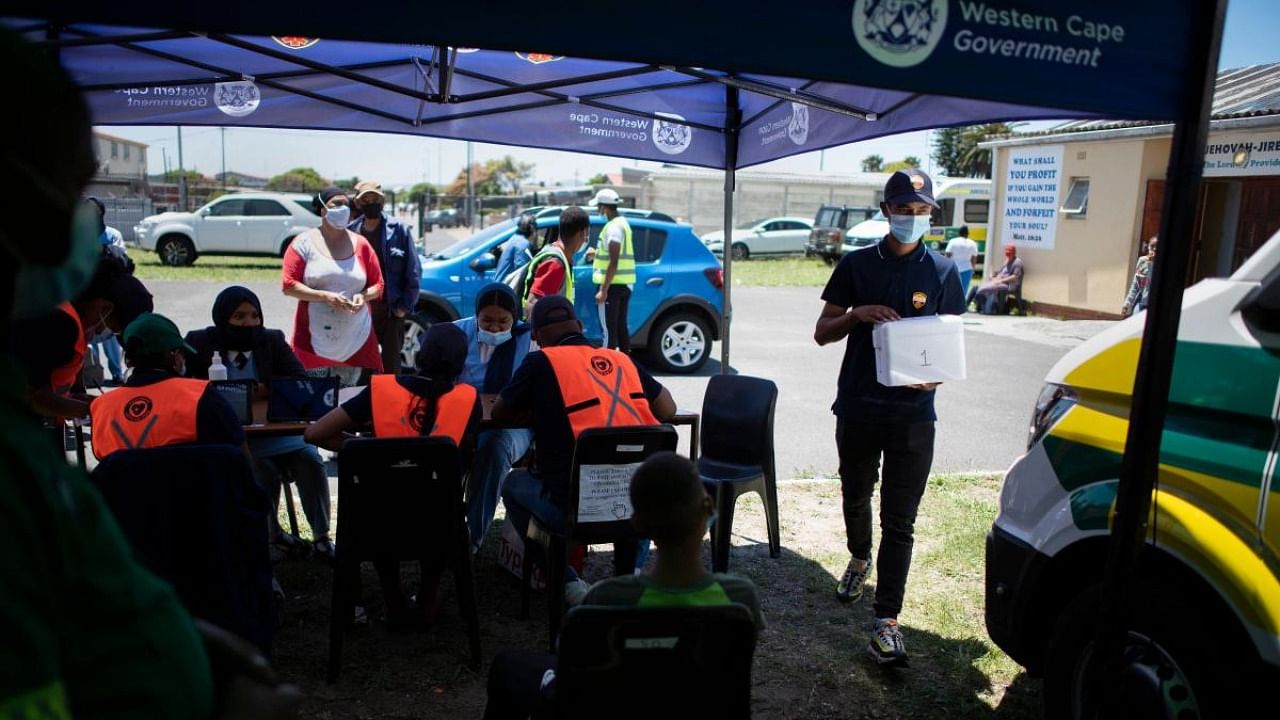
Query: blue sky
{"points": [[401, 160]]}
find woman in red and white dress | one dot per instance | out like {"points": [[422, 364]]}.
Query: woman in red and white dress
{"points": [[334, 273]]}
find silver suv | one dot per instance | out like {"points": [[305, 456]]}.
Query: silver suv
{"points": [[257, 223]]}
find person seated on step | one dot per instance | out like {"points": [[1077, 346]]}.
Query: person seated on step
{"points": [[671, 506], [991, 295]]}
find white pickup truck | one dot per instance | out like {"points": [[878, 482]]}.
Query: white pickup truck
{"points": [[256, 223]]}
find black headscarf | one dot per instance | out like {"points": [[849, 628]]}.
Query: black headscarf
{"points": [[324, 196], [440, 361], [233, 337], [501, 363]]}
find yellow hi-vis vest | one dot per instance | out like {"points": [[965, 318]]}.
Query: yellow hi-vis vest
{"points": [[625, 274]]}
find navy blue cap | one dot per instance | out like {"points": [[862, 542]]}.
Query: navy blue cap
{"points": [[910, 185], [552, 309]]}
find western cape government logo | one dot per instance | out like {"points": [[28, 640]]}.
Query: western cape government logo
{"points": [[798, 128], [900, 33], [237, 99], [293, 42], [671, 137]]}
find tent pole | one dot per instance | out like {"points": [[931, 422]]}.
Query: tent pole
{"points": [[733, 118], [1140, 466]]}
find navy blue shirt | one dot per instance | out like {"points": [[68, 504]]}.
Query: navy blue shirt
{"points": [[534, 389], [917, 284]]}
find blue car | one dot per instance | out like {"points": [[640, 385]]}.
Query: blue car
{"points": [[675, 307]]}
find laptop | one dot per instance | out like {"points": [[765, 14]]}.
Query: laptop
{"points": [[301, 399], [239, 395]]}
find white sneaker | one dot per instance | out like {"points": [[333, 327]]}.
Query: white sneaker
{"points": [[575, 591]]}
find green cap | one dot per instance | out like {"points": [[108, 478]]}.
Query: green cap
{"points": [[152, 333]]}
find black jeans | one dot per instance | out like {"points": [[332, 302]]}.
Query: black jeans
{"points": [[615, 317], [390, 332], [908, 454], [515, 685]]}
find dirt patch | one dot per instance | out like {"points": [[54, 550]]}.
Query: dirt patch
{"points": [[809, 661]]}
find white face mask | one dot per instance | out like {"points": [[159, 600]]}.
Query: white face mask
{"points": [[338, 217]]}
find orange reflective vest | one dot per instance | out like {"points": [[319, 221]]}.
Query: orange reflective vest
{"points": [[601, 388], [397, 412], [147, 416], [64, 378]]}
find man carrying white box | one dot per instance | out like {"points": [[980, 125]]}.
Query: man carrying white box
{"points": [[895, 280]]}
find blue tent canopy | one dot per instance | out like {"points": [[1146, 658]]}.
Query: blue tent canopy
{"points": [[141, 76], [719, 83]]}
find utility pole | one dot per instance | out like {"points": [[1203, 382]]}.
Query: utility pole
{"points": [[224, 158], [182, 175], [470, 190], [822, 160]]}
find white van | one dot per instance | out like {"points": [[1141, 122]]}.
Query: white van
{"points": [[963, 201], [1205, 637]]}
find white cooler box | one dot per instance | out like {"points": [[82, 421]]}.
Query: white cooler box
{"points": [[919, 350]]}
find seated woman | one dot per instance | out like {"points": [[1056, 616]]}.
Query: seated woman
{"points": [[431, 403], [496, 345], [253, 352]]}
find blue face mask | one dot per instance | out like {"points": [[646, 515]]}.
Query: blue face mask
{"points": [[493, 338], [908, 229]]}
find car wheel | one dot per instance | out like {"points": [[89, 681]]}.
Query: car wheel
{"points": [[740, 251], [415, 326], [1167, 671], [176, 250], [680, 343]]}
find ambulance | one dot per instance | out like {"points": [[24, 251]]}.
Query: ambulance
{"points": [[962, 201], [1205, 631]]}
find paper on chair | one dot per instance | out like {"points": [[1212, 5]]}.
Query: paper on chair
{"points": [[604, 492]]}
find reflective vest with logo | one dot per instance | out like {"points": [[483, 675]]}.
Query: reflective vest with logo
{"points": [[397, 412], [625, 274], [601, 388], [550, 252], [64, 378], [146, 416]]}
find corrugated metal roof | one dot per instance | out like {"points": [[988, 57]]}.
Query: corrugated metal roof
{"points": [[1240, 92]]}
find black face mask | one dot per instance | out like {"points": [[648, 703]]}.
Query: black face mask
{"points": [[372, 210], [241, 337]]}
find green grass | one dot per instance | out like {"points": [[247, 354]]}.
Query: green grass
{"points": [[210, 268], [781, 272]]}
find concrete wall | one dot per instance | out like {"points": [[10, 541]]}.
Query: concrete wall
{"points": [[1092, 261], [699, 199]]}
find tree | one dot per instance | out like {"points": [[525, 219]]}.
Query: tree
{"points": [[912, 161], [191, 175], [872, 163], [899, 165], [298, 180], [348, 183], [422, 193], [494, 177], [956, 150], [599, 179]]}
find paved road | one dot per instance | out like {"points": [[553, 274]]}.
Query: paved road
{"points": [[982, 421]]}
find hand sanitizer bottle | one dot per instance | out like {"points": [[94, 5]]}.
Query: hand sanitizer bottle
{"points": [[217, 371]]}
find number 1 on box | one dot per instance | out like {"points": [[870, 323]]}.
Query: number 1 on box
{"points": [[924, 355]]}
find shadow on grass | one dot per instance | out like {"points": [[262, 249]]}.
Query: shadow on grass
{"points": [[809, 662]]}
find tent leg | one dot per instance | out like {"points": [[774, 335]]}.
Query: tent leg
{"points": [[733, 118], [1139, 468]]}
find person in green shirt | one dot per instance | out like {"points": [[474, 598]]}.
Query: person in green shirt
{"points": [[669, 505], [85, 631]]}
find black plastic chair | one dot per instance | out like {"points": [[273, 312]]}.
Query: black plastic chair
{"points": [[737, 455], [596, 446], [400, 499], [656, 662], [196, 517]]}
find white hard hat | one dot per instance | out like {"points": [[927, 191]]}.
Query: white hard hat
{"points": [[606, 197]]}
